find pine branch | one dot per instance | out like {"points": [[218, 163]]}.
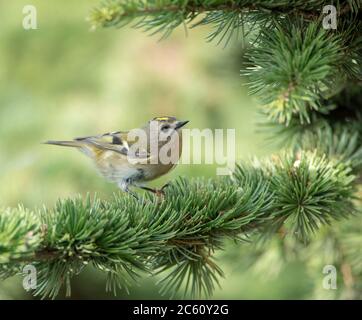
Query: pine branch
{"points": [[337, 132], [294, 64], [175, 235], [296, 67], [118, 13], [233, 18]]}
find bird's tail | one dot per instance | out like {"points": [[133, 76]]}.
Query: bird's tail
{"points": [[75, 144]]}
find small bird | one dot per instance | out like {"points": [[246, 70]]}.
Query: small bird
{"points": [[132, 158]]}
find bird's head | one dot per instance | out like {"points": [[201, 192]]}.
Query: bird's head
{"points": [[163, 130], [166, 126]]}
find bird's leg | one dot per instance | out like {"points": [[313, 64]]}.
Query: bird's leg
{"points": [[158, 192], [148, 189], [167, 184]]}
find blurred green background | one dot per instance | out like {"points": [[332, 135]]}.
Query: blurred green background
{"points": [[63, 80]]}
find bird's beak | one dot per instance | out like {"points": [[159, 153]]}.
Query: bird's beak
{"points": [[180, 124]]}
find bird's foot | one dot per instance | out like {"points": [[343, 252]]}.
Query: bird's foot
{"points": [[159, 193]]}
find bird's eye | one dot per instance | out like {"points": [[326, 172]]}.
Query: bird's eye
{"points": [[165, 127]]}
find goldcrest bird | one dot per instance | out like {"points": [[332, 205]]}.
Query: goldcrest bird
{"points": [[132, 158]]}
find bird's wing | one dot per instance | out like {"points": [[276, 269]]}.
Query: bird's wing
{"points": [[114, 141]]}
